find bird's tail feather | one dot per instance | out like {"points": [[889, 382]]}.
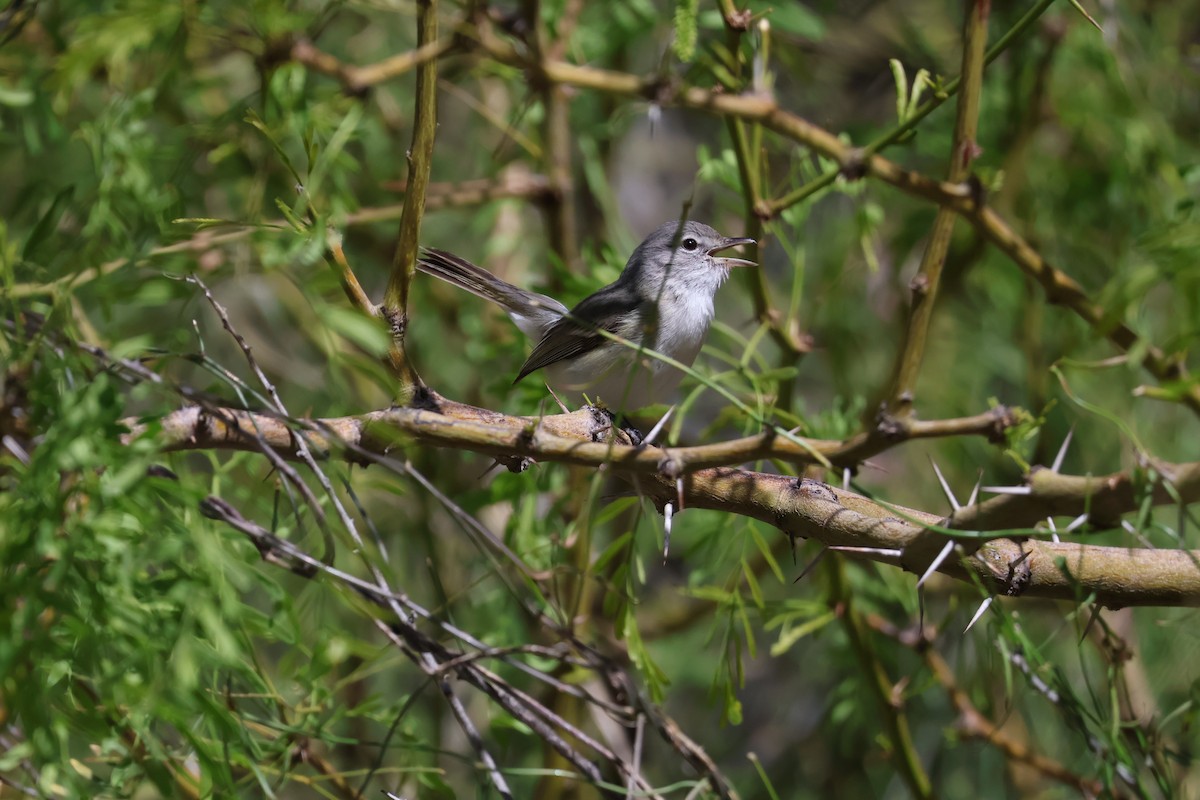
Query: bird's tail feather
{"points": [[478, 281]]}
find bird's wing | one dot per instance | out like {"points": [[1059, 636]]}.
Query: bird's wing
{"points": [[613, 309]]}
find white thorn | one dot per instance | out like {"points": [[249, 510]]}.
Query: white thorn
{"points": [[982, 608], [1008, 489], [975, 492], [937, 562], [14, 447], [1053, 530], [668, 513], [1133, 531], [846, 478], [889, 552], [1062, 451], [1075, 523], [658, 426], [945, 486], [679, 492]]}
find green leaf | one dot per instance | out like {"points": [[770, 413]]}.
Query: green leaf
{"points": [[789, 636], [901, 81], [47, 222], [752, 583], [794, 19], [337, 143], [765, 550], [366, 332], [255, 120], [615, 549]]}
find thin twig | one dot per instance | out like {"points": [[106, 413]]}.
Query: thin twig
{"points": [[895, 721], [963, 151], [420, 160]]}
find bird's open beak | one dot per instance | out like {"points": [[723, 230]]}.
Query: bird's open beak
{"points": [[733, 262]]}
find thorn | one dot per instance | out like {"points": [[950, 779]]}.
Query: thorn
{"points": [[1008, 489], [1091, 621], [889, 552], [945, 486], [1062, 451], [1075, 523], [920, 611], [975, 491], [812, 564], [668, 513], [561, 404], [1053, 529], [846, 478], [937, 562], [14, 447], [495, 463], [658, 426], [1132, 530], [679, 491], [982, 608]]}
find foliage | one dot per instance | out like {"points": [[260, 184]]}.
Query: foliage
{"points": [[151, 650]]}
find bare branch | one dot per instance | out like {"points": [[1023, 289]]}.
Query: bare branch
{"points": [[420, 160], [924, 285]]}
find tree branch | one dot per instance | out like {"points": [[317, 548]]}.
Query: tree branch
{"points": [[925, 285], [1114, 576], [420, 158]]}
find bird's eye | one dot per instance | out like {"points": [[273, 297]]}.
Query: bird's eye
{"points": [[690, 244]]}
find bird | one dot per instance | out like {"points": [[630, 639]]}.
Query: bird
{"points": [[662, 301]]}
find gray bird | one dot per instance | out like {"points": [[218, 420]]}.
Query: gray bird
{"points": [[662, 301]]}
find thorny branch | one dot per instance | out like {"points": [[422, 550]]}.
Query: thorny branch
{"points": [[1117, 576], [971, 721], [404, 630]]}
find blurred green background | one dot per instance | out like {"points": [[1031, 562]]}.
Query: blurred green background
{"points": [[142, 141]]}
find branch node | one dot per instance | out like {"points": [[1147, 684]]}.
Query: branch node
{"points": [[397, 320], [1003, 418], [854, 164], [968, 152], [739, 20], [977, 192], [816, 489], [1009, 569], [670, 467], [889, 426]]}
